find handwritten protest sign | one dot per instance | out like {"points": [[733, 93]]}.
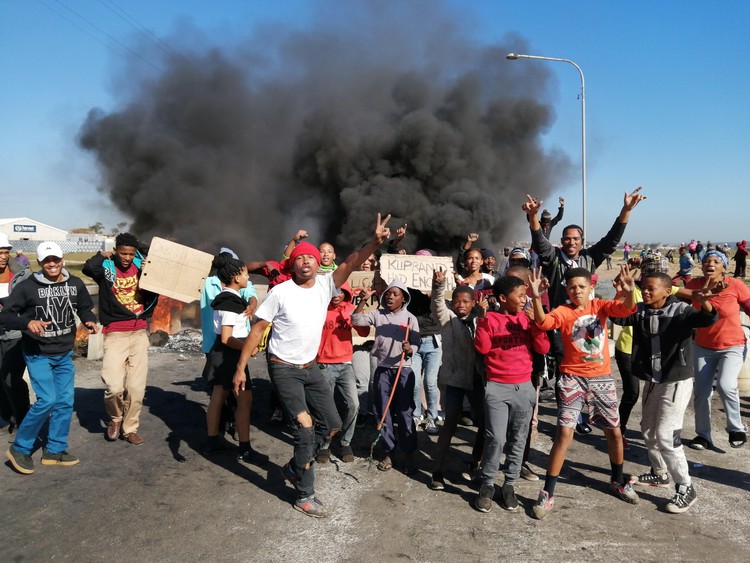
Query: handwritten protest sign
{"points": [[416, 271]]}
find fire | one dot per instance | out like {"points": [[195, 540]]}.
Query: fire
{"points": [[167, 315]]}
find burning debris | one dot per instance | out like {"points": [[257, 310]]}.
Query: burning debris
{"points": [[367, 112]]}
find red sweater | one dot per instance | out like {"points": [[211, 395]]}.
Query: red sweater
{"points": [[336, 341], [506, 342]]}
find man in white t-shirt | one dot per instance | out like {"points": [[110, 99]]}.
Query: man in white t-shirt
{"points": [[297, 309]]}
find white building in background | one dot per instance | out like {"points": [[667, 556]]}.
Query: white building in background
{"points": [[26, 234], [23, 228]]}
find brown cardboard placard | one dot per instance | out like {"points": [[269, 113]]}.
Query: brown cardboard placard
{"points": [[416, 271], [175, 270]]}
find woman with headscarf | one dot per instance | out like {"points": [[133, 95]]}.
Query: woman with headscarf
{"points": [[719, 349]]}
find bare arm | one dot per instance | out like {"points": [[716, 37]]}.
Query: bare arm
{"points": [[356, 258], [298, 236]]}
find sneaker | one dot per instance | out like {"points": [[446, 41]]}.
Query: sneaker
{"points": [[466, 421], [471, 472], [700, 443], [583, 428], [63, 458], [509, 501], [682, 500], [543, 506], [624, 492], [20, 461], [483, 503], [311, 506], [418, 420], [250, 455], [278, 416], [347, 455], [289, 474], [430, 427], [438, 483], [651, 479], [323, 456], [528, 473]]}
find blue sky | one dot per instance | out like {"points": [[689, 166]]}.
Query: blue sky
{"points": [[666, 94]]}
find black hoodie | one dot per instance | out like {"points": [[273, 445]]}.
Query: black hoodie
{"points": [[37, 298]]}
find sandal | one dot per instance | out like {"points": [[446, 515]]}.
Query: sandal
{"points": [[385, 464], [737, 439]]}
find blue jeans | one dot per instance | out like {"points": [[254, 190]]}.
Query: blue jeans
{"points": [[52, 380], [729, 364], [343, 385], [306, 390], [426, 363]]}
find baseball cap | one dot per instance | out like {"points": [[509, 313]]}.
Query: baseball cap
{"points": [[47, 249], [4, 242]]}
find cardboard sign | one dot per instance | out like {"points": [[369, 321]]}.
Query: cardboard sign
{"points": [[359, 280], [175, 270], [416, 271]]}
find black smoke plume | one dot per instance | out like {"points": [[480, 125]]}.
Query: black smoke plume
{"points": [[321, 129]]}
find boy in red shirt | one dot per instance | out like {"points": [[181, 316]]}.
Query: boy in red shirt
{"points": [[585, 374], [506, 339], [335, 363]]}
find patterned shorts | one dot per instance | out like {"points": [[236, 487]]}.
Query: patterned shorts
{"points": [[598, 392]]}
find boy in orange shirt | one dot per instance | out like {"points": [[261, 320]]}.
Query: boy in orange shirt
{"points": [[585, 374]]}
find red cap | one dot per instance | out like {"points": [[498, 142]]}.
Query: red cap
{"points": [[305, 248]]}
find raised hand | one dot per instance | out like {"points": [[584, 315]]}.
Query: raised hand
{"points": [[624, 282], [630, 201], [532, 205], [562, 201], [537, 283], [438, 275], [484, 306], [472, 238], [382, 232], [299, 235], [401, 232]]}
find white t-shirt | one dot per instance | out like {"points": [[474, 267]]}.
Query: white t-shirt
{"points": [[298, 314]]}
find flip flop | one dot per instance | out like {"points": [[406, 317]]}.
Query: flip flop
{"points": [[737, 439], [385, 464]]}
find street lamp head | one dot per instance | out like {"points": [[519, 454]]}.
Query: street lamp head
{"points": [[511, 56]]}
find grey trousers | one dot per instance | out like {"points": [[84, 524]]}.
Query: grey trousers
{"points": [[507, 413], [663, 410]]}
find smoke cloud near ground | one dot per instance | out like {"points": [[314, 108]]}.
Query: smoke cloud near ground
{"points": [[242, 144]]}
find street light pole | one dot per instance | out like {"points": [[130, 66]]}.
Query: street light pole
{"points": [[516, 56]]}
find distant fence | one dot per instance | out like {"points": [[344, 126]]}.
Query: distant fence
{"points": [[66, 245]]}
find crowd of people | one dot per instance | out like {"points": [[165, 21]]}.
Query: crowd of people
{"points": [[403, 358]]}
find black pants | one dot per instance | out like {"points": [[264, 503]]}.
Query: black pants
{"points": [[631, 387], [14, 392]]}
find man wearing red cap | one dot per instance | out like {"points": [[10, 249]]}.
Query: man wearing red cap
{"points": [[297, 308]]}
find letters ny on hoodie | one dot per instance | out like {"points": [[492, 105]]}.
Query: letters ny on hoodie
{"points": [[37, 298]]}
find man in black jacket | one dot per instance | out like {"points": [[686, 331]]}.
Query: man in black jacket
{"points": [[124, 310], [43, 306]]}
